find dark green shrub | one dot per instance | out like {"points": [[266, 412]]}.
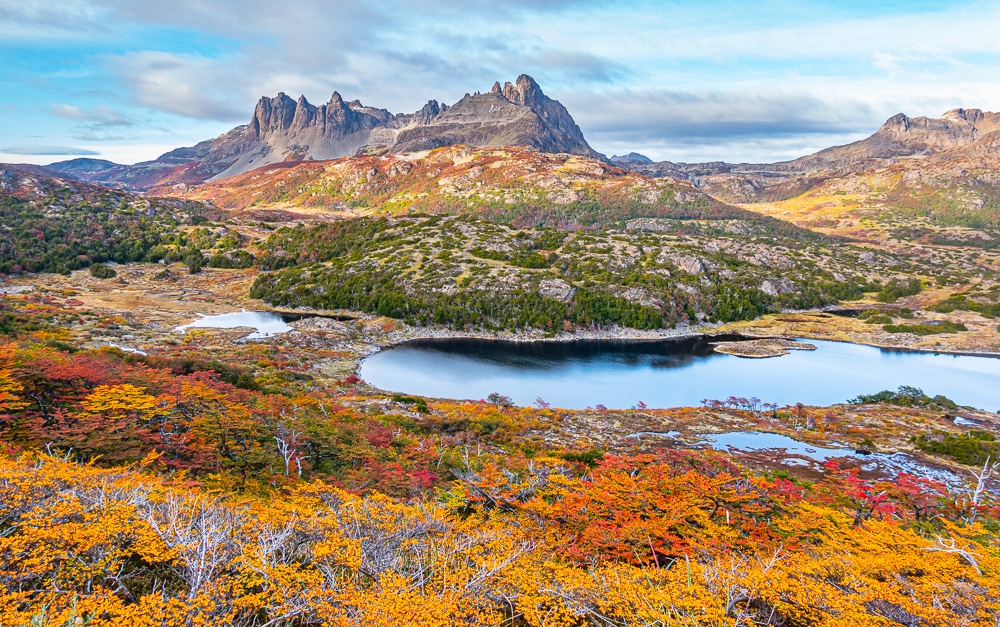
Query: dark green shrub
{"points": [[897, 289], [926, 329], [194, 260], [102, 271], [591, 458], [972, 448]]}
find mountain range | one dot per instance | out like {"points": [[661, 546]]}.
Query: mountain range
{"points": [[283, 129]]}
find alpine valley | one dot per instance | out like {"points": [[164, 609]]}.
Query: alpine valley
{"points": [[158, 470]]}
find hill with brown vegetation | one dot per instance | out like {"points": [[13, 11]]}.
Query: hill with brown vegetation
{"points": [[901, 139], [950, 197], [516, 185]]}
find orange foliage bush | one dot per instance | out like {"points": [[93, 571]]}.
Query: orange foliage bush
{"points": [[81, 545]]}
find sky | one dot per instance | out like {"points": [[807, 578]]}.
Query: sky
{"points": [[127, 80]]}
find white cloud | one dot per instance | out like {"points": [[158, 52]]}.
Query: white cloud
{"points": [[186, 85], [100, 116], [37, 151], [737, 78], [41, 19], [764, 149], [678, 113], [769, 32]]}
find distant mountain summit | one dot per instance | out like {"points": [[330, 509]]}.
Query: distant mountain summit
{"points": [[517, 114], [283, 129], [903, 136], [632, 158]]}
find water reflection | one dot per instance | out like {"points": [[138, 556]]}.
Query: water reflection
{"points": [[670, 373], [671, 353]]}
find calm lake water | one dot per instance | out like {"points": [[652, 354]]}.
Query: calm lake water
{"points": [[671, 373]]}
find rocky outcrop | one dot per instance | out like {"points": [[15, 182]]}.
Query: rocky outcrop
{"points": [[557, 289], [283, 129], [777, 287]]}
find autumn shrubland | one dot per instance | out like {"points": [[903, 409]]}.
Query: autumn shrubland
{"points": [[219, 483], [636, 541]]}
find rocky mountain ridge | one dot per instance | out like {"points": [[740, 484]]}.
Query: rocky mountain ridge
{"points": [[283, 129], [900, 138]]}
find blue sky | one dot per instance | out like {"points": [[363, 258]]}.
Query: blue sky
{"points": [[686, 81]]}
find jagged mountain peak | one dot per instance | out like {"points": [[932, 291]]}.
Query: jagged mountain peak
{"points": [[961, 119], [969, 115], [517, 114], [524, 91]]}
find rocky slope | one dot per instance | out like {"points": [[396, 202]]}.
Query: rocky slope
{"points": [[283, 129], [947, 198]]}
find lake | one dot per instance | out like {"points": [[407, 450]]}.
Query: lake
{"points": [[671, 373]]}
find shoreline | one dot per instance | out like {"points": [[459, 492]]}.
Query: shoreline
{"points": [[707, 331], [690, 333]]}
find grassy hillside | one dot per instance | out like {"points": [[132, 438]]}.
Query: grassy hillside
{"points": [[59, 225], [473, 273]]}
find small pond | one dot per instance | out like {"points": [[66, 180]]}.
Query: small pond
{"points": [[126, 349], [265, 323], [759, 440], [671, 373]]}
